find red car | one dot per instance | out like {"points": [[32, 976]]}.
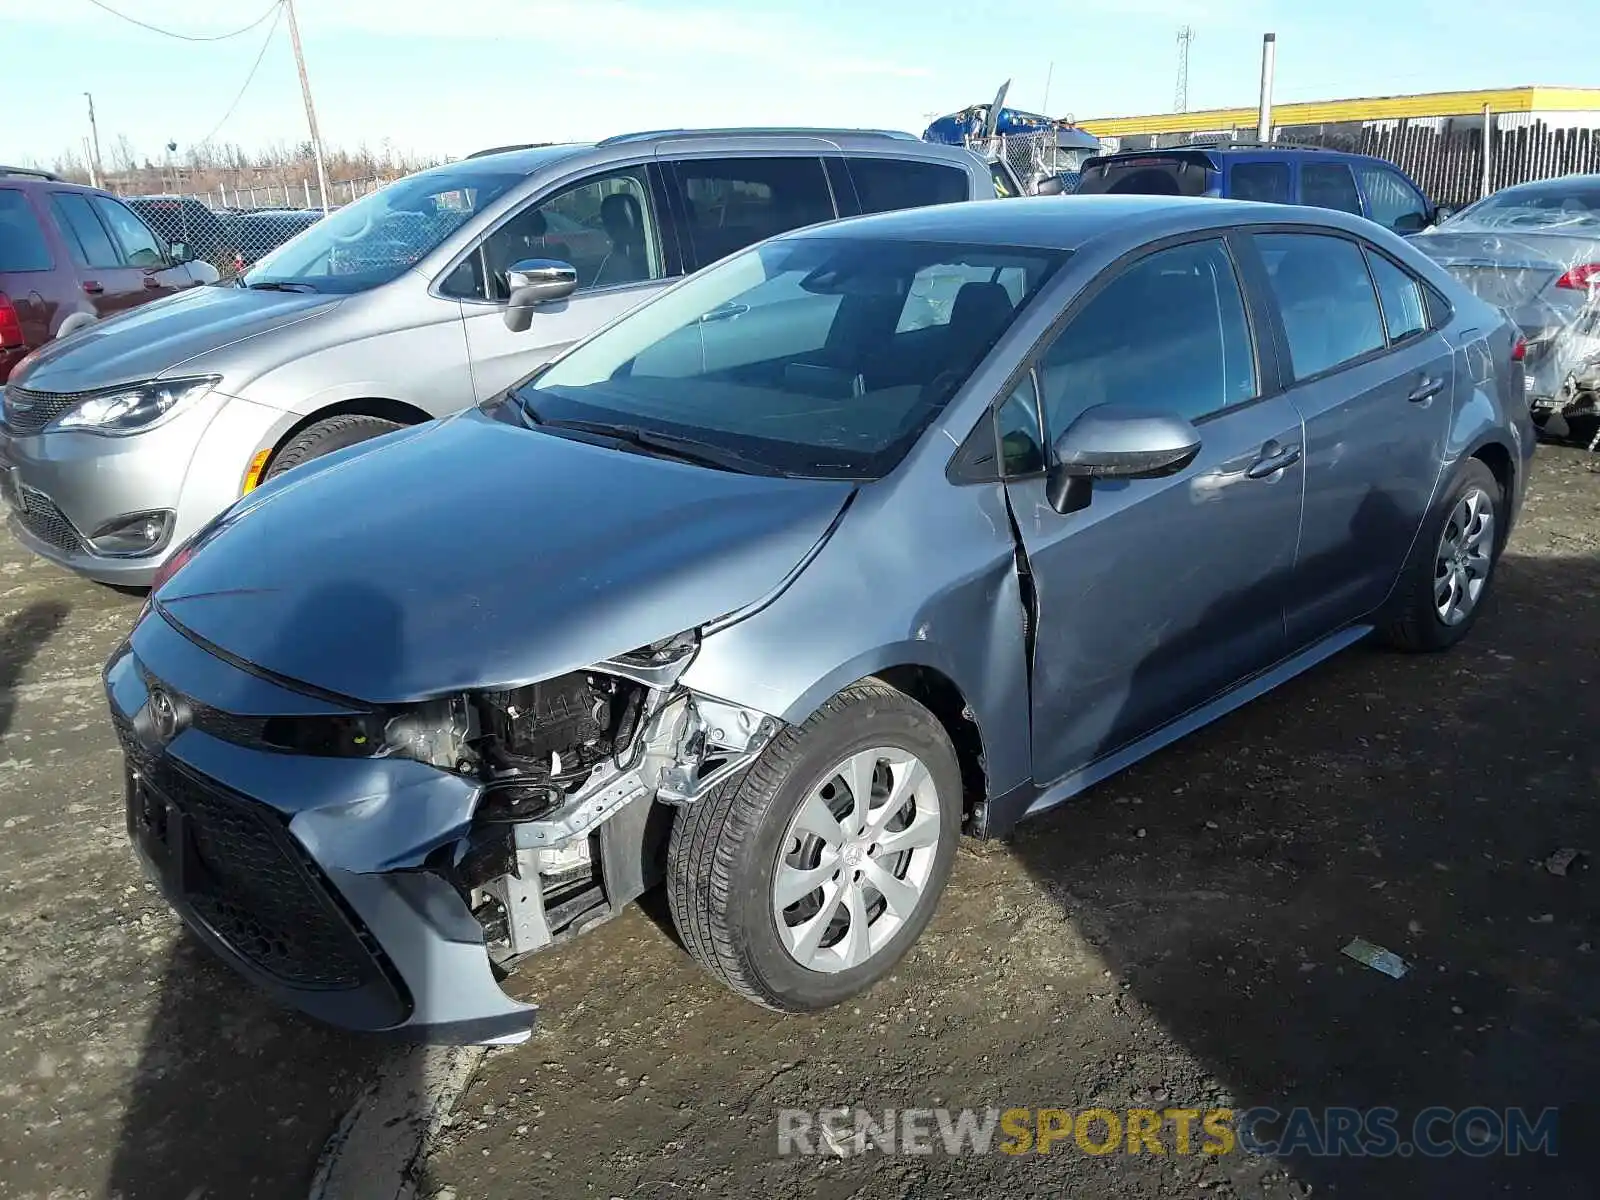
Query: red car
{"points": [[70, 255]]}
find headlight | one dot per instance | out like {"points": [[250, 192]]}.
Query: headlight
{"points": [[135, 408]]}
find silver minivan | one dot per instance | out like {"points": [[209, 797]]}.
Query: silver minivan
{"points": [[435, 293]]}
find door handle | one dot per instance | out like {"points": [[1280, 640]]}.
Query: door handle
{"points": [[92, 288], [1426, 390], [150, 281], [1274, 458], [724, 312]]}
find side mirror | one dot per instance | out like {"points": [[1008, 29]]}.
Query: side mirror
{"points": [[1442, 214], [179, 253], [1050, 185], [536, 281], [1112, 442]]}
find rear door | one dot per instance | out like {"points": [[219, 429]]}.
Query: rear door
{"points": [[1372, 378], [112, 284], [141, 249], [886, 184], [26, 266], [725, 204], [1329, 185]]}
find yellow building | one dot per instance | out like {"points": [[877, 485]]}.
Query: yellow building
{"points": [[1511, 108]]}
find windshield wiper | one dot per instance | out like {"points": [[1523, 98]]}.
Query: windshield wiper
{"points": [[278, 285], [663, 445]]}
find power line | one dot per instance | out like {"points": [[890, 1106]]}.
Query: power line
{"points": [[185, 37], [277, 11]]}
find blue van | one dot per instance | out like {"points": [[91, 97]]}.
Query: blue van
{"points": [[1278, 174]]}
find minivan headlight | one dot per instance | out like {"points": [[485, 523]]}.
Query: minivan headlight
{"points": [[134, 408]]}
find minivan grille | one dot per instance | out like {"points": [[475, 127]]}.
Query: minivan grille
{"points": [[29, 412], [41, 518]]}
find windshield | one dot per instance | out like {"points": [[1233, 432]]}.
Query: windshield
{"points": [[382, 235], [814, 356], [1550, 208]]}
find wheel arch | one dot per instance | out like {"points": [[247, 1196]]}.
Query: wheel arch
{"points": [[362, 406]]}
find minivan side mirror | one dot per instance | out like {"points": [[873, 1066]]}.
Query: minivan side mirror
{"points": [[533, 281], [1113, 442]]}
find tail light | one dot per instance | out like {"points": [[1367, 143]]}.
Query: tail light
{"points": [[171, 567], [10, 324], [1520, 350], [1581, 278]]}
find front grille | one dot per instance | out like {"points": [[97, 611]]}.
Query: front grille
{"points": [[41, 518], [252, 885], [29, 412]]}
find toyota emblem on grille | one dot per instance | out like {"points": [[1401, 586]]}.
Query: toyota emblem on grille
{"points": [[165, 720]]}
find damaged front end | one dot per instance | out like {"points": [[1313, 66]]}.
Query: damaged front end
{"points": [[382, 867]]}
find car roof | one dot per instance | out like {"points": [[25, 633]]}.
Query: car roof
{"points": [[1254, 149], [528, 159], [1051, 222]]}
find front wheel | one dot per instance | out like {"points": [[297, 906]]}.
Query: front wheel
{"points": [[802, 881], [1447, 580], [326, 436]]}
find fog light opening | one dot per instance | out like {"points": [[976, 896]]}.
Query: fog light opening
{"points": [[134, 535]]}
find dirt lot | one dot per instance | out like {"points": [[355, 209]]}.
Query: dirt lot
{"points": [[1170, 940]]}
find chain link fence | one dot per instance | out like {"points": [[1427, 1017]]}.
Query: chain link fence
{"points": [[1033, 156], [234, 227]]}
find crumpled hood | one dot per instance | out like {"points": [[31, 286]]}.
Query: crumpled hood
{"points": [[472, 553], [164, 338]]}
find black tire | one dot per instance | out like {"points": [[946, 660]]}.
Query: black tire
{"points": [[326, 436], [726, 846], [1413, 623]]}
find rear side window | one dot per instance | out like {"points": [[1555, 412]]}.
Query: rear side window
{"points": [[1404, 314], [886, 184], [91, 244], [1004, 189], [1329, 185], [1330, 312], [22, 243], [139, 245], [731, 203], [1169, 333], [1266, 182]]}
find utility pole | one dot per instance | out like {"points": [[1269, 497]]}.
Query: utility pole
{"points": [[1180, 94], [1048, 76], [96, 175], [1269, 51], [311, 112]]}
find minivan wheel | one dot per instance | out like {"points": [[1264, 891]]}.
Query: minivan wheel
{"points": [[326, 436], [803, 880], [1444, 586]]}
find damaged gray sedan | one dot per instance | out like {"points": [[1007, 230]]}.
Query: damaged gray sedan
{"points": [[875, 534]]}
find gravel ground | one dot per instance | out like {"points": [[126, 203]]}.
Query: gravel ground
{"points": [[1170, 940]]}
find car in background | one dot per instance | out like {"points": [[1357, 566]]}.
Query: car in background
{"points": [[185, 221], [776, 586], [1534, 250], [72, 255], [434, 293], [1275, 174], [258, 232]]}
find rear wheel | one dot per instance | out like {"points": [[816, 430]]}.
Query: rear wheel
{"points": [[804, 880], [1445, 584], [326, 436]]}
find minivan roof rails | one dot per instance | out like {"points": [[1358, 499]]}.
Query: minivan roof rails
{"points": [[32, 172], [756, 131], [509, 149]]}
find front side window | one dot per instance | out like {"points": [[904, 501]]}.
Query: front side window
{"points": [[1392, 202], [1169, 333], [792, 354], [887, 184], [22, 244], [139, 246], [1400, 297], [731, 203], [1329, 185], [604, 226], [90, 241], [1266, 182], [1004, 189], [1330, 313], [384, 234]]}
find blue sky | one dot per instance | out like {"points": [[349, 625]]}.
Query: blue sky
{"points": [[446, 77]]}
